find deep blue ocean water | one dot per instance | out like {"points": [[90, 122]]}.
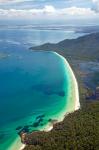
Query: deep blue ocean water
{"points": [[33, 85]]}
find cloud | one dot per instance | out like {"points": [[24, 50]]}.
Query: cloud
{"points": [[96, 5], [77, 11], [2, 1], [48, 11]]}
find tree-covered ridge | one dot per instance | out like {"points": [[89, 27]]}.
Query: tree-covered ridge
{"points": [[85, 47], [78, 131]]}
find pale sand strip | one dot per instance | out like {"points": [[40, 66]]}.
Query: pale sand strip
{"points": [[22, 147], [75, 92], [17, 145], [77, 103]]}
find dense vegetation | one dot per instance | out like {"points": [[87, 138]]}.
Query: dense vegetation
{"points": [[86, 47], [78, 131]]}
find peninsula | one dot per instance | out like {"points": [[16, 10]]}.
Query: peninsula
{"points": [[85, 47], [79, 130]]}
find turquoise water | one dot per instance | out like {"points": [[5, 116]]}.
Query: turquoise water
{"points": [[33, 85]]}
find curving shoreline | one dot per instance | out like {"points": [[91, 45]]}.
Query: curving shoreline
{"points": [[72, 105], [77, 102], [22, 147], [75, 96]]}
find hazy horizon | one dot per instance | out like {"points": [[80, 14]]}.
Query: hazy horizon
{"points": [[69, 12]]}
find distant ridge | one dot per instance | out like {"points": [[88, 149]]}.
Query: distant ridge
{"points": [[84, 47]]}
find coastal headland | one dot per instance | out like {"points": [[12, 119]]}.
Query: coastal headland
{"points": [[78, 126]]}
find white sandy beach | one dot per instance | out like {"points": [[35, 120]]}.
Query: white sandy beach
{"points": [[75, 84], [74, 97], [22, 147]]}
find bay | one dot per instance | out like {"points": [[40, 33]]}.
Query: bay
{"points": [[34, 85]]}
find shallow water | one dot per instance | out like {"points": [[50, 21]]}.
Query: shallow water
{"points": [[31, 86]]}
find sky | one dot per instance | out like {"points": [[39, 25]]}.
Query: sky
{"points": [[69, 10]]}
